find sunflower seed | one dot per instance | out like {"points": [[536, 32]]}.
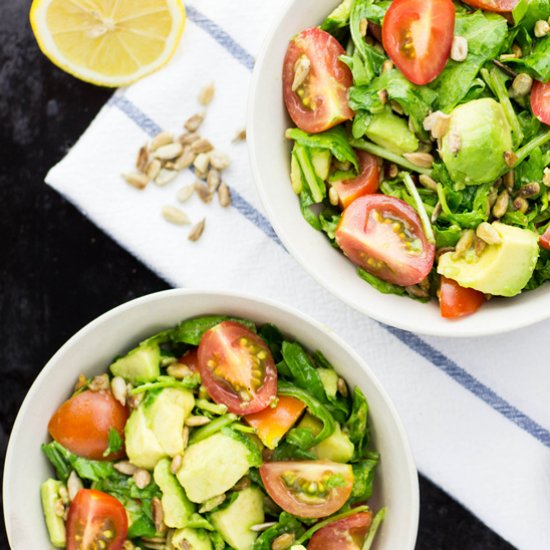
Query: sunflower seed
{"points": [[464, 243], [202, 163], [185, 431], [416, 292], [201, 145], [194, 421], [516, 49], [522, 85], [220, 161], [342, 387], [99, 383], [501, 205], [243, 483], [301, 71], [193, 124], [135, 400], [427, 182], [240, 136], [119, 389], [153, 169], [486, 232], [185, 193], [224, 195], [165, 176], [137, 180], [282, 542], [142, 159], [74, 484], [213, 180], [212, 503], [529, 190], [206, 95], [179, 371], [546, 178], [141, 478], [437, 212], [186, 159], [259, 527], [203, 192], [479, 246], [59, 508], [509, 180], [125, 467], [459, 49], [510, 158], [520, 204], [188, 138], [437, 123], [363, 27], [164, 138], [424, 160], [383, 96], [542, 28], [387, 66], [333, 196], [397, 107], [176, 463], [64, 494], [158, 515], [175, 216], [393, 171], [197, 231], [169, 152]]}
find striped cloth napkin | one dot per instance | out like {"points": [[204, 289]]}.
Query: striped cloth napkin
{"points": [[476, 410]]}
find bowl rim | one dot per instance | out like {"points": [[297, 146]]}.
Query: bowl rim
{"points": [[447, 328], [82, 333]]}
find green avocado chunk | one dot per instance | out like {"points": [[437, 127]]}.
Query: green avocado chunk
{"points": [[235, 521], [336, 448], [473, 148], [197, 539], [502, 269], [212, 466], [154, 429], [177, 507], [140, 365], [390, 131], [49, 494]]}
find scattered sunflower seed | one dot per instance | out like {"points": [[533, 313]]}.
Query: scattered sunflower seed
{"points": [[301, 71], [193, 123], [197, 231], [387, 66], [169, 152], [194, 421], [175, 215], [436, 213], [136, 179], [393, 171], [188, 138], [520, 204], [342, 387], [459, 49], [185, 193], [213, 180], [158, 515], [206, 95], [510, 158], [464, 243], [333, 196], [141, 478], [224, 195], [186, 159], [164, 138], [516, 49], [546, 178], [135, 400], [282, 542], [59, 508], [179, 371], [383, 96], [99, 383], [437, 123], [203, 192], [74, 484], [427, 182], [397, 107], [542, 28], [153, 169], [529, 190], [119, 389], [201, 145], [259, 527], [424, 160], [416, 292], [218, 160], [240, 136], [363, 27], [142, 160], [486, 232], [185, 437], [176, 463], [501, 205], [165, 176], [243, 483], [522, 85], [479, 246], [201, 163], [125, 467], [509, 180]]}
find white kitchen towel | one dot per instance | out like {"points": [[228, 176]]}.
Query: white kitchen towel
{"points": [[477, 411]]}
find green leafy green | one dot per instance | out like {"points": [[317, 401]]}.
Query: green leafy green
{"points": [[187, 383], [528, 12], [274, 339], [382, 286], [537, 63], [287, 451], [315, 184], [191, 331], [115, 442], [357, 424], [363, 474], [338, 19], [378, 518], [213, 427], [287, 524]]}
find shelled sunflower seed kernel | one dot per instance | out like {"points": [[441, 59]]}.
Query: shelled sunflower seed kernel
{"points": [[161, 160]]}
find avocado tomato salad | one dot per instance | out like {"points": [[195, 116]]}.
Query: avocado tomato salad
{"points": [[213, 435], [422, 144]]}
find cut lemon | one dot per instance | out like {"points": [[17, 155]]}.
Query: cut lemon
{"points": [[108, 42]]}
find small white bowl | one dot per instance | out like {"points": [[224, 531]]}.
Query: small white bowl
{"points": [[270, 160], [91, 350]]}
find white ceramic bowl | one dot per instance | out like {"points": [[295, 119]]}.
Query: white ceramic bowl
{"points": [[91, 350], [270, 160]]}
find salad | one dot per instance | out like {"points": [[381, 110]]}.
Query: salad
{"points": [[213, 435], [422, 147]]}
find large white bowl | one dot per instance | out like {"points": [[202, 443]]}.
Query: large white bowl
{"points": [[270, 160], [91, 350]]}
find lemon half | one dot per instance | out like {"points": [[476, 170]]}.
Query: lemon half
{"points": [[108, 42]]}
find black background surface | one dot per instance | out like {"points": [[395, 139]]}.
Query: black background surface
{"points": [[58, 271]]}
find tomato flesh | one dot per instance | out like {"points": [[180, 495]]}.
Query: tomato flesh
{"points": [[384, 236], [544, 239], [456, 301], [237, 368], [364, 184], [190, 359], [418, 36], [82, 424], [320, 101], [499, 6], [540, 101], [345, 534], [272, 423], [96, 520], [301, 488]]}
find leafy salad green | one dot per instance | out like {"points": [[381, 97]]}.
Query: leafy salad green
{"points": [[465, 154]]}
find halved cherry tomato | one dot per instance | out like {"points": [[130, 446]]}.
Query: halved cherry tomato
{"points": [[364, 184], [456, 301], [308, 489], [544, 239], [499, 6], [540, 101], [96, 520], [345, 534], [273, 422], [237, 368], [384, 236], [418, 35], [190, 359], [316, 82], [82, 424]]}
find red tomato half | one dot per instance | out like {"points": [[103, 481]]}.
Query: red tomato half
{"points": [[319, 100], [237, 368], [190, 359], [418, 35], [499, 6], [540, 101], [544, 240], [83, 422], [344, 534], [384, 236], [456, 301], [364, 184], [300, 488], [96, 520]]}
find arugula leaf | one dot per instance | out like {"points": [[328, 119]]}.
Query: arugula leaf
{"points": [[314, 183], [272, 336], [287, 451], [542, 271], [382, 286], [363, 474], [338, 18], [287, 524], [357, 424], [528, 12], [306, 202], [531, 169], [115, 442], [448, 236], [140, 518], [537, 63], [192, 330], [187, 383]]}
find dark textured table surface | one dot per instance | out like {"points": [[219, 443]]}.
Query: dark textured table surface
{"points": [[58, 271]]}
